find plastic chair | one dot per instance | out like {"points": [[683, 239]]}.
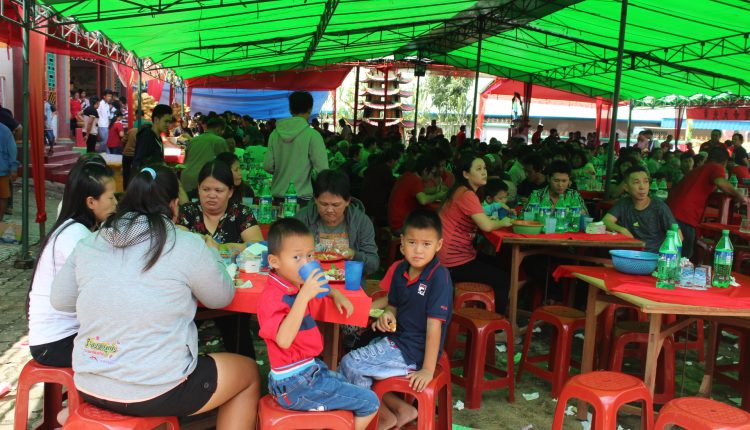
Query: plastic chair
{"points": [[272, 416], [389, 246], [473, 292], [565, 320], [88, 417], [697, 413], [683, 339], [637, 332], [479, 356], [54, 379], [606, 392], [437, 393]]}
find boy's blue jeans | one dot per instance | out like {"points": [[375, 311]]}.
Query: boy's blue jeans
{"points": [[319, 389], [381, 359]]}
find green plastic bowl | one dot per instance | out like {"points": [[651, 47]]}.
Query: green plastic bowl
{"points": [[527, 227]]}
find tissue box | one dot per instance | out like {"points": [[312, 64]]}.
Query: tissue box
{"points": [[596, 228]]}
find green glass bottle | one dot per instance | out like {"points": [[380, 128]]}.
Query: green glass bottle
{"points": [[723, 259], [667, 264]]}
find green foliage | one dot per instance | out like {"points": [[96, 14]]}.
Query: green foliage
{"points": [[450, 98]]}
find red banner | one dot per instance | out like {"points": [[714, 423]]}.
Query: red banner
{"points": [[720, 114]]}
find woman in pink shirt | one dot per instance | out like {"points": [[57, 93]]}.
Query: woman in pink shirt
{"points": [[462, 215]]}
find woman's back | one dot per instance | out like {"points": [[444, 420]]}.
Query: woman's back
{"points": [[137, 338]]}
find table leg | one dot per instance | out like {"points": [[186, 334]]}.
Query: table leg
{"points": [[652, 354], [713, 344], [515, 267], [331, 344], [589, 342]]}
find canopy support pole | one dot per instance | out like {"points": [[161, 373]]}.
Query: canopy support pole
{"points": [[139, 111], [182, 98], [24, 259], [334, 109], [630, 122], [356, 100], [616, 94], [416, 113], [476, 78]]}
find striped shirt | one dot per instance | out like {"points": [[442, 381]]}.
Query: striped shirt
{"points": [[459, 229]]}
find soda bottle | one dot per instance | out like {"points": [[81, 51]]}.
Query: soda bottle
{"points": [[574, 213], [677, 241], [290, 201], [667, 265], [545, 210], [663, 184], [733, 180], [561, 214], [723, 259], [532, 207], [265, 204], [653, 189]]}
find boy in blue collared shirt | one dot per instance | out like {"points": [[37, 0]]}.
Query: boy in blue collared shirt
{"points": [[420, 302]]}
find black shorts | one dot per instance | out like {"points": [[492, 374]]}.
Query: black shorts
{"points": [[183, 400], [56, 354]]}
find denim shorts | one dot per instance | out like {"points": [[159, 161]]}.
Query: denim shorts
{"points": [[381, 359], [318, 389]]}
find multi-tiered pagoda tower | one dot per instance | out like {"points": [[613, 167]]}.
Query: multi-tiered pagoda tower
{"points": [[385, 102]]}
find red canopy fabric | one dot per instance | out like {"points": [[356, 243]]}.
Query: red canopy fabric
{"points": [[37, 87], [294, 80]]}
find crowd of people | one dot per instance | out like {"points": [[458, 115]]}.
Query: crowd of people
{"points": [[438, 195]]}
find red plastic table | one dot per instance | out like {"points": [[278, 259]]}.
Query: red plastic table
{"points": [[545, 244], [716, 305]]}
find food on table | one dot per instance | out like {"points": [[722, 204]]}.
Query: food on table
{"points": [[392, 325], [334, 273], [328, 256]]}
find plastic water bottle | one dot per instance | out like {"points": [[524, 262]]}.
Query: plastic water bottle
{"points": [[667, 265], [265, 205], [653, 189], [561, 214], [290, 201], [723, 259], [574, 213], [733, 180], [677, 241], [545, 210], [532, 207]]}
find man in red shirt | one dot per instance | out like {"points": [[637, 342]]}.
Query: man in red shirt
{"points": [[409, 191], [688, 198], [75, 109], [461, 137], [536, 138]]}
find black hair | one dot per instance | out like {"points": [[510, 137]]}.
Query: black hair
{"points": [[535, 161], [718, 154], [93, 100], [462, 165], [73, 93], [635, 169], [148, 196], [300, 102], [159, 111], [85, 179], [334, 182], [218, 170], [494, 186], [107, 92], [216, 123], [558, 167], [685, 156], [424, 219], [425, 162], [115, 115], [354, 151], [228, 158], [282, 229]]}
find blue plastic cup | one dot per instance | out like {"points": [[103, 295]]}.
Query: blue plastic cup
{"points": [[307, 269], [550, 224], [353, 275]]}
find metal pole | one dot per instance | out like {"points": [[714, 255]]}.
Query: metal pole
{"points": [[616, 92], [630, 122], [139, 111], [356, 100], [416, 113], [24, 256], [334, 109], [476, 78], [182, 97]]}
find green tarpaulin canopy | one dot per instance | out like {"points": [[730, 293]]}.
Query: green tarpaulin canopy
{"points": [[671, 46]]}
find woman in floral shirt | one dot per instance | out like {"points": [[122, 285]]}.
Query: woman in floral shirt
{"points": [[214, 217]]}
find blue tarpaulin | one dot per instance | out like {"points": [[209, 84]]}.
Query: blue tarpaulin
{"points": [[259, 104], [703, 124]]}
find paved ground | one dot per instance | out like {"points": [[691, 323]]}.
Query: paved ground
{"points": [[14, 285]]}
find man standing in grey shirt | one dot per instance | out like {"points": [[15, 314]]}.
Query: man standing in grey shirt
{"points": [[638, 215]]}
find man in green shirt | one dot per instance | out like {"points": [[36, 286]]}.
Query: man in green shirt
{"points": [[201, 150]]}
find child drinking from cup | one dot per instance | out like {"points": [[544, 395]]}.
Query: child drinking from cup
{"points": [[298, 381], [420, 302], [495, 202]]}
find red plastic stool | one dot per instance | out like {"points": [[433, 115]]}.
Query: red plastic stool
{"points": [[272, 416], [566, 321], [607, 321], [437, 392], [89, 417], [479, 356], [606, 392], [637, 332], [471, 292], [54, 379], [697, 413], [683, 339]]}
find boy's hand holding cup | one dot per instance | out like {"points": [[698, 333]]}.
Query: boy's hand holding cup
{"points": [[315, 282], [386, 323]]}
